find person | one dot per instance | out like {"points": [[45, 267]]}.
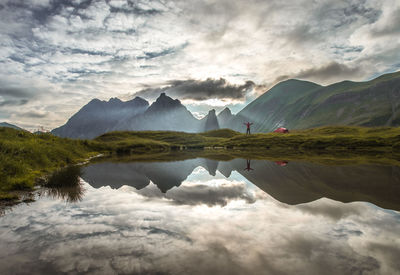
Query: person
{"points": [[248, 127], [248, 168]]}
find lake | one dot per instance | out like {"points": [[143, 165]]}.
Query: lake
{"points": [[202, 216]]}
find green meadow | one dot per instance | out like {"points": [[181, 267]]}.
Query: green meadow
{"points": [[26, 158]]}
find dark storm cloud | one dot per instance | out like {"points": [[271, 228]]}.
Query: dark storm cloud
{"points": [[330, 70], [200, 90]]}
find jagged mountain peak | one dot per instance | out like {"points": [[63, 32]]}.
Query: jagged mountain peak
{"points": [[210, 121], [225, 117], [139, 99], [114, 100], [100, 116], [225, 112], [164, 102], [297, 104]]}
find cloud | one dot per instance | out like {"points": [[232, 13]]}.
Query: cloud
{"points": [[13, 102], [154, 236], [14, 92], [200, 90], [329, 71], [202, 194], [35, 114], [390, 27], [330, 210], [110, 48], [10, 96]]}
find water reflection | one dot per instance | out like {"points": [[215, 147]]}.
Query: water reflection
{"points": [[294, 183], [209, 218], [248, 165], [281, 163], [65, 184]]}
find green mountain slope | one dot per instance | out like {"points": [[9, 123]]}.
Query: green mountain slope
{"points": [[269, 110], [299, 105]]}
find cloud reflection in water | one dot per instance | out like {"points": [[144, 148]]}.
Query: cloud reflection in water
{"points": [[239, 230]]}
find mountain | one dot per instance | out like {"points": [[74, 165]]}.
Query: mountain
{"points": [[294, 183], [294, 104], [269, 111], [8, 125], [209, 122], [164, 114], [165, 175], [98, 117], [225, 118], [302, 182], [298, 104]]}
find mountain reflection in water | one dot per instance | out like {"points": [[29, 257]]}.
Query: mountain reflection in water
{"points": [[291, 183], [202, 216]]}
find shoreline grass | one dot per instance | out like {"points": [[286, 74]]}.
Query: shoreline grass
{"points": [[27, 157]]}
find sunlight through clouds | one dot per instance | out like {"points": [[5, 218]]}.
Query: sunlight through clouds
{"points": [[102, 49]]}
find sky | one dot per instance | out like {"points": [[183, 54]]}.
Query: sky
{"points": [[56, 56]]}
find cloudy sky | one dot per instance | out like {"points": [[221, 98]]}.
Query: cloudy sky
{"points": [[57, 55]]}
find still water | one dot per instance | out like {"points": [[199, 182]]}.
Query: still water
{"points": [[203, 216]]}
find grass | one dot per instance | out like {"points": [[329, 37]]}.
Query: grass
{"points": [[25, 157]]}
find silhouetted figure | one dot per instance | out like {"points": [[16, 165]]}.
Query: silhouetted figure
{"points": [[248, 168], [248, 127]]}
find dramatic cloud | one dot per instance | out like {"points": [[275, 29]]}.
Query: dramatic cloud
{"points": [[200, 90], [332, 70], [103, 49]]}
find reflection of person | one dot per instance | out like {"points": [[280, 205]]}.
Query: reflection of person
{"points": [[248, 127], [248, 168]]}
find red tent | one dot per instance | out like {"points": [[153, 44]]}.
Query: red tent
{"points": [[281, 163], [281, 130]]}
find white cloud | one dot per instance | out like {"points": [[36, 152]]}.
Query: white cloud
{"points": [[115, 48]]}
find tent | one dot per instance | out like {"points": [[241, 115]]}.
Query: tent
{"points": [[281, 130], [281, 163]]}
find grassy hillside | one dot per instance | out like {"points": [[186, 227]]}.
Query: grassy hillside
{"points": [[300, 105], [269, 110], [323, 138], [24, 157]]}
